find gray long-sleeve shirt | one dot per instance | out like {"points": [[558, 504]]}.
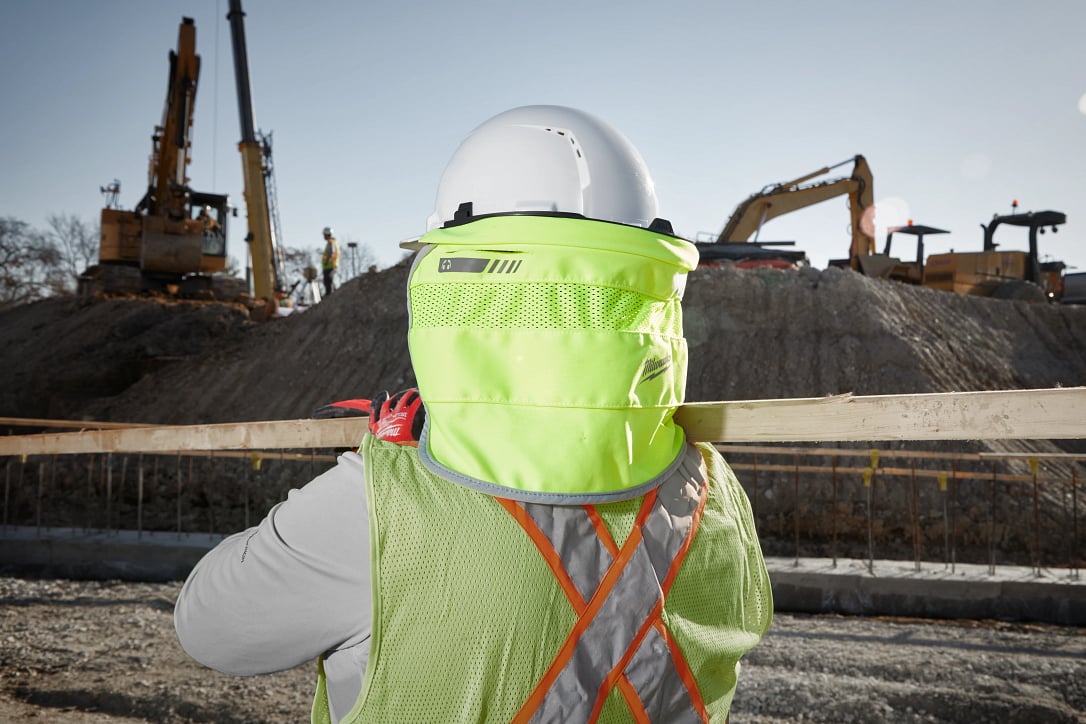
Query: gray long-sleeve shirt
{"points": [[289, 589]]}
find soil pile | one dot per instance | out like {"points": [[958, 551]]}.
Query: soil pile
{"points": [[63, 356], [753, 334], [772, 333]]}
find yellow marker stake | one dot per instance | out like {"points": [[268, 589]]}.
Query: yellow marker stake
{"points": [[942, 482], [256, 462], [867, 477], [1033, 463], [874, 458]]}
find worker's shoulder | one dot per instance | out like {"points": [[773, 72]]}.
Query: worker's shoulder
{"points": [[347, 476]]}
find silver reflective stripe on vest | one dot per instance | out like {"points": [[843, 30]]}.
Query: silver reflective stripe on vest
{"points": [[621, 638], [665, 697], [573, 537]]}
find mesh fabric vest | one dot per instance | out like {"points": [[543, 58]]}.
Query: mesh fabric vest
{"points": [[467, 616]]}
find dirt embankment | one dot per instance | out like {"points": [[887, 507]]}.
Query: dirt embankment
{"points": [[771, 333], [753, 335]]}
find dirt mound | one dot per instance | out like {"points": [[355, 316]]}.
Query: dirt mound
{"points": [[753, 334], [352, 344], [63, 356], [772, 333]]}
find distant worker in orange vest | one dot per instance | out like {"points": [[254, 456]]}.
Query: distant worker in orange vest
{"points": [[529, 536], [329, 260]]}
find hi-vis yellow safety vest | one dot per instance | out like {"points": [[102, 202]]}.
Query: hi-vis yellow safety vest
{"points": [[489, 609], [330, 257]]}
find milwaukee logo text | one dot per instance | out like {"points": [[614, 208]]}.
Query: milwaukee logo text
{"points": [[654, 367]]}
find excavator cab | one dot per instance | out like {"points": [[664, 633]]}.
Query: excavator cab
{"points": [[886, 266], [211, 212]]}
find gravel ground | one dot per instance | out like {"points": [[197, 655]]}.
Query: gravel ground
{"points": [[105, 652]]}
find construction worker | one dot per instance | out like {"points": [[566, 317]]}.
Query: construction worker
{"points": [[213, 241], [329, 260], [538, 541], [207, 221]]}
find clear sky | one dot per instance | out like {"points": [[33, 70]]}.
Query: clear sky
{"points": [[959, 106]]}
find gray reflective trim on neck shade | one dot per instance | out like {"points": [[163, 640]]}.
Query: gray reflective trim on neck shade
{"points": [[533, 496]]}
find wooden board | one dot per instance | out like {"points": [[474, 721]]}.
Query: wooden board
{"points": [[1006, 415], [1050, 414]]}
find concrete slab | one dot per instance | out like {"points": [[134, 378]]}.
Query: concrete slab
{"points": [[897, 588], [809, 585], [101, 555]]}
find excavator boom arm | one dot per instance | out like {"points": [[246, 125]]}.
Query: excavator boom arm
{"points": [[773, 201], [168, 180]]}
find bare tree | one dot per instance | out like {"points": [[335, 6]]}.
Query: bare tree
{"points": [[232, 268], [76, 242], [355, 258], [29, 264]]}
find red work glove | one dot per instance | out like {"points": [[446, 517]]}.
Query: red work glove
{"points": [[398, 418], [343, 408]]}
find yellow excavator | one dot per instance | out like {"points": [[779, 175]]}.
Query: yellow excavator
{"points": [[175, 238], [738, 242], [735, 245]]}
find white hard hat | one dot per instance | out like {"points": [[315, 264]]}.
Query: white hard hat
{"points": [[546, 159], [328, 231]]}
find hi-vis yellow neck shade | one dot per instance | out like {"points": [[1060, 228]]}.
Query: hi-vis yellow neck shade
{"points": [[550, 356]]}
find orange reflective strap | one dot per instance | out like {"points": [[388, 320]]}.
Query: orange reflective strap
{"points": [[619, 639], [682, 668], [546, 550], [633, 701], [601, 529]]}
